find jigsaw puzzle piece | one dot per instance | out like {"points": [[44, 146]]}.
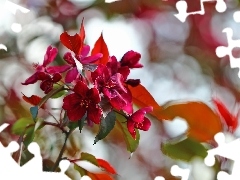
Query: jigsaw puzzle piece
{"points": [[177, 171], [182, 6]]}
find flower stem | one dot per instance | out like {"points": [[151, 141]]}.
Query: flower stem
{"points": [[59, 158]]}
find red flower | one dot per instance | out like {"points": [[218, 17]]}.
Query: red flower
{"points": [[131, 59], [81, 101], [139, 121], [48, 81], [111, 85]]}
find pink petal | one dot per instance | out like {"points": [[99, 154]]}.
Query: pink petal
{"points": [[131, 59], [31, 80], [94, 113], [69, 58], [91, 59], [118, 80], [85, 50], [131, 128], [146, 124], [50, 55], [71, 75], [101, 74], [138, 116], [57, 69]]}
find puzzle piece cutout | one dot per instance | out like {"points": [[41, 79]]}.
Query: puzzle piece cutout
{"points": [[222, 51], [227, 150], [177, 171], [181, 6], [33, 169]]}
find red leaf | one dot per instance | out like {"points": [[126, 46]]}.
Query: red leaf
{"points": [[33, 100], [230, 120], [82, 31], [106, 166], [74, 43], [142, 98], [101, 47]]}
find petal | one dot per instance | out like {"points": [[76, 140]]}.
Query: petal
{"points": [[46, 86], [94, 113], [131, 128], [56, 77], [50, 55], [118, 102], [71, 100], [81, 89], [85, 50], [131, 59], [124, 71], [93, 95], [117, 79], [69, 58], [146, 124], [138, 116], [31, 80], [57, 69], [71, 75], [101, 74], [76, 113], [113, 65], [91, 59]]}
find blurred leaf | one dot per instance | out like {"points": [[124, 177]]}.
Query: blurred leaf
{"points": [[130, 142], [72, 125], [184, 150], [34, 112], [142, 98], [89, 157], [29, 136], [106, 166], [81, 124], [106, 125], [99, 176], [80, 170], [101, 47], [202, 121], [20, 125], [58, 94], [33, 100]]}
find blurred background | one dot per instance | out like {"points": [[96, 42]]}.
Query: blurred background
{"points": [[179, 64]]}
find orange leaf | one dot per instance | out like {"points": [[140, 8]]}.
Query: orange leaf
{"points": [[202, 121], [33, 100], [101, 47], [142, 98], [106, 166], [94, 176]]}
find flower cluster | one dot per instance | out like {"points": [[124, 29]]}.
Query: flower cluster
{"points": [[93, 82]]}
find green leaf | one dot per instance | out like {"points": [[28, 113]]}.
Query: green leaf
{"points": [[34, 112], [89, 157], [130, 142], [72, 125], [29, 136], [20, 125], [106, 125], [59, 93], [81, 171], [184, 150], [81, 124]]}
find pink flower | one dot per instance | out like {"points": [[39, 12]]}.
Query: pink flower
{"points": [[139, 121]]}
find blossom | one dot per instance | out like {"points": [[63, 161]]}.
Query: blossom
{"points": [[131, 59], [48, 81], [49, 56], [112, 87], [83, 100], [139, 121], [82, 58]]}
